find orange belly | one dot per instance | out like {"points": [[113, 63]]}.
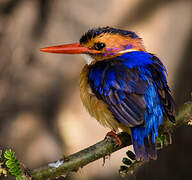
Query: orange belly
{"points": [[97, 108]]}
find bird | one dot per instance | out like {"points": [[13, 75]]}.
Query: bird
{"points": [[123, 86]]}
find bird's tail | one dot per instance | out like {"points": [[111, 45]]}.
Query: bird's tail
{"points": [[145, 148]]}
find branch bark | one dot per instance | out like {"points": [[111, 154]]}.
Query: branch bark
{"points": [[103, 148]]}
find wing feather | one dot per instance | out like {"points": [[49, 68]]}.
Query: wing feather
{"points": [[121, 88]]}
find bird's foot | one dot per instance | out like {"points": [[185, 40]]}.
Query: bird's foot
{"points": [[113, 134]]}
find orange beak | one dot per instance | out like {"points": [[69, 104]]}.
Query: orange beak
{"points": [[75, 48]]}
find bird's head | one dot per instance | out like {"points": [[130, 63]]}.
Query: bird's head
{"points": [[101, 43]]}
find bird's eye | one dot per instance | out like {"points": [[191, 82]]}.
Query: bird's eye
{"points": [[99, 46]]}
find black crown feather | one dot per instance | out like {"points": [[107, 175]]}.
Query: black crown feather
{"points": [[92, 33]]}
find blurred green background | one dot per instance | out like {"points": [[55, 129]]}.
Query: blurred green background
{"points": [[41, 115]]}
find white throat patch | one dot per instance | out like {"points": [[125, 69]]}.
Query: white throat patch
{"points": [[87, 58]]}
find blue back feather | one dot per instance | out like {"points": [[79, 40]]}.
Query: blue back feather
{"points": [[134, 87]]}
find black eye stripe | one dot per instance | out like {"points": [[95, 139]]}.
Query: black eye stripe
{"points": [[99, 46]]}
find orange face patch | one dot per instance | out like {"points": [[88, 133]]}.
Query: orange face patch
{"points": [[114, 44]]}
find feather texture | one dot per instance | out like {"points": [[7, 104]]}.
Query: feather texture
{"points": [[123, 86], [135, 90]]}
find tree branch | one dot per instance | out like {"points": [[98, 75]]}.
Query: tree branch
{"points": [[103, 148]]}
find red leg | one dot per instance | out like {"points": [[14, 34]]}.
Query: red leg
{"points": [[112, 133]]}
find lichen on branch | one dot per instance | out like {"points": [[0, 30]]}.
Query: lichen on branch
{"points": [[103, 148]]}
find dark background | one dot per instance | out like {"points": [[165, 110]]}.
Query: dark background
{"points": [[41, 116]]}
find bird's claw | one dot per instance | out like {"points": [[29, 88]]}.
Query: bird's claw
{"points": [[113, 134]]}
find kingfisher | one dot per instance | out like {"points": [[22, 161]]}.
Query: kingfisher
{"points": [[123, 86]]}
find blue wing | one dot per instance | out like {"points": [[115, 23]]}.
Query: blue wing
{"points": [[134, 87], [121, 89]]}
